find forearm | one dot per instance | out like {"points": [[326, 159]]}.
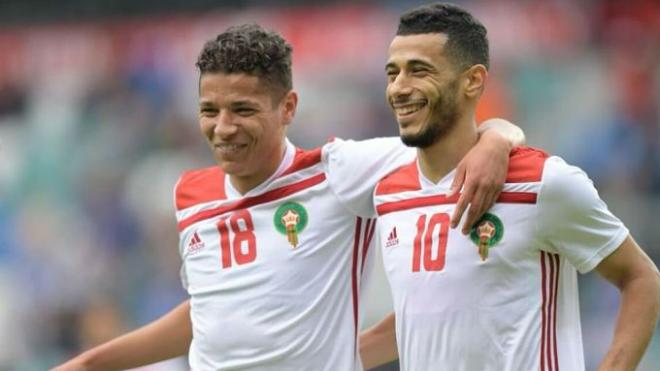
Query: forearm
{"points": [[508, 131], [637, 319], [165, 338], [378, 344]]}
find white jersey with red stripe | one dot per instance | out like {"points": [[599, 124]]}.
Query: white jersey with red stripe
{"points": [[505, 297], [274, 274]]}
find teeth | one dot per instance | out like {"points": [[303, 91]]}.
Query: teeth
{"points": [[406, 110], [228, 147]]}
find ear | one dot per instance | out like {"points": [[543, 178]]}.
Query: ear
{"points": [[289, 104], [475, 81]]}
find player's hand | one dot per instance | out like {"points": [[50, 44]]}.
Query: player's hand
{"points": [[481, 175]]}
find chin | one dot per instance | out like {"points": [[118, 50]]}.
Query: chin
{"points": [[409, 132], [229, 167]]}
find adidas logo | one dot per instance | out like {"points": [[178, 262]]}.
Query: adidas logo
{"points": [[195, 243], [392, 239]]}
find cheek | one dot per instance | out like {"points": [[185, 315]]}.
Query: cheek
{"points": [[388, 94], [266, 132], [253, 128], [206, 126], [431, 90]]}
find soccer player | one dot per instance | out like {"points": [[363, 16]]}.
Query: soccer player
{"points": [[504, 296], [274, 239]]}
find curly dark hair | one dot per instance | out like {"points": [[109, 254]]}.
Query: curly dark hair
{"points": [[467, 40], [249, 49]]}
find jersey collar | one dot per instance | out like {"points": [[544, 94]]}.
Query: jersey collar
{"points": [[442, 185], [289, 154]]}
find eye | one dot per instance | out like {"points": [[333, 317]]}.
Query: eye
{"points": [[245, 111], [391, 75], [419, 72], [208, 111]]}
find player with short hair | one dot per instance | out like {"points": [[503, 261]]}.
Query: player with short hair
{"points": [[274, 239], [505, 296]]}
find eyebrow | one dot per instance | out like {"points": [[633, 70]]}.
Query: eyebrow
{"points": [[244, 103], [419, 62], [240, 103], [410, 63]]}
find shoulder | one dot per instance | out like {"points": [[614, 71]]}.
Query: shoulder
{"points": [[559, 181], [403, 179], [349, 149], [335, 148], [526, 164], [304, 159], [199, 186], [565, 183]]}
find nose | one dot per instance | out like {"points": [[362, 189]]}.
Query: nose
{"points": [[225, 124], [399, 87]]}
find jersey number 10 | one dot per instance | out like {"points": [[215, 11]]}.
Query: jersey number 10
{"points": [[423, 249], [243, 247]]}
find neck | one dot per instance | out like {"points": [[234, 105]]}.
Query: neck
{"points": [[245, 183], [443, 156]]}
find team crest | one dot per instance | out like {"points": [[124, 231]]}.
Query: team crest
{"points": [[486, 233], [290, 219]]}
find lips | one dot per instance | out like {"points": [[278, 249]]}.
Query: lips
{"points": [[407, 109], [229, 149]]}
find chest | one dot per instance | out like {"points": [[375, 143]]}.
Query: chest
{"points": [[269, 242], [420, 248]]}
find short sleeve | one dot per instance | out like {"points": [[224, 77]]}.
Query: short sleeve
{"points": [[182, 271], [354, 167], [573, 219], [183, 276]]}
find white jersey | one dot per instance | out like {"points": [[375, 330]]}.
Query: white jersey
{"points": [[274, 274], [505, 297]]}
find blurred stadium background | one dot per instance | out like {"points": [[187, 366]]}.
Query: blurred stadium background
{"points": [[98, 118]]}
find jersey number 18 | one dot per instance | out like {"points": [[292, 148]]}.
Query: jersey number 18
{"points": [[243, 246]]}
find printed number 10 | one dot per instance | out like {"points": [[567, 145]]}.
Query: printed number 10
{"points": [[424, 238]]}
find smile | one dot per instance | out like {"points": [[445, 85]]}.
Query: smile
{"points": [[408, 109], [228, 148]]}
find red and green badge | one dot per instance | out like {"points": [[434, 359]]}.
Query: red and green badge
{"points": [[486, 233], [290, 219]]}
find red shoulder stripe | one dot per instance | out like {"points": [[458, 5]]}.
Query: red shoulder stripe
{"points": [[304, 159], [199, 186], [526, 165], [403, 179], [441, 199], [247, 202]]}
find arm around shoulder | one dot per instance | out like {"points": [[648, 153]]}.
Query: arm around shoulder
{"points": [[354, 167], [482, 171], [505, 129]]}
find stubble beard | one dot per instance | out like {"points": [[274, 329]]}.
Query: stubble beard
{"points": [[440, 124]]}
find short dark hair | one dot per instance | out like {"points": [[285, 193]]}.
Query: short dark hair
{"points": [[249, 49], [467, 40]]}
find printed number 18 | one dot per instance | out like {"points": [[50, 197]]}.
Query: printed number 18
{"points": [[244, 244]]}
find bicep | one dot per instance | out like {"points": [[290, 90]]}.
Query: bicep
{"points": [[353, 169], [626, 263]]}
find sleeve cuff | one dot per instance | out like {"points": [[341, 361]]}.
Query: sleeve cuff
{"points": [[604, 251]]}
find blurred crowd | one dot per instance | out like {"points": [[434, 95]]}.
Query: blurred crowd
{"points": [[98, 118]]}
